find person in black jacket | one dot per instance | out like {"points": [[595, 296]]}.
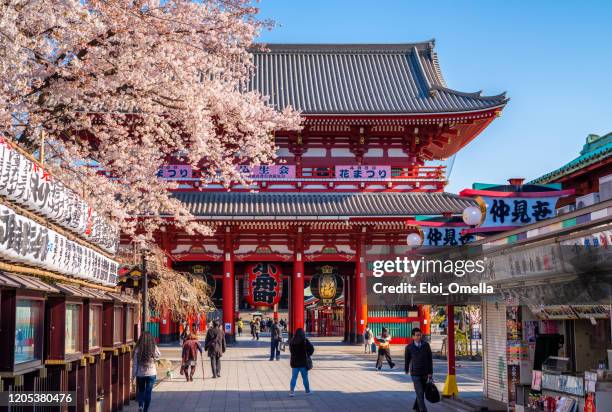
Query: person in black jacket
{"points": [[419, 363], [275, 339], [214, 344], [301, 350]]}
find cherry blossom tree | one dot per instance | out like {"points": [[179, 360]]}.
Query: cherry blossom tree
{"points": [[118, 87]]}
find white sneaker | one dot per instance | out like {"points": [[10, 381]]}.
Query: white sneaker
{"points": [[292, 394]]}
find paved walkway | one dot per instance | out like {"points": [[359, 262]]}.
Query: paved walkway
{"points": [[343, 379]]}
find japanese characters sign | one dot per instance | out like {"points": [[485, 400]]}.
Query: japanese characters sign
{"points": [[363, 172], [517, 211], [269, 171], [174, 172], [26, 241], [445, 236], [30, 186], [264, 284]]}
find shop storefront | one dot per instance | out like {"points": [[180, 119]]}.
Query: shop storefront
{"points": [[547, 336]]}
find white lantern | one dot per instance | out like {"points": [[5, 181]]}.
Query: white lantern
{"points": [[472, 215], [414, 240]]}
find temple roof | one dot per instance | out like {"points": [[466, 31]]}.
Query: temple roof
{"points": [[597, 148], [366, 79], [324, 205]]}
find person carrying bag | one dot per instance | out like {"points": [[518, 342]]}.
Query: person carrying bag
{"points": [[301, 362], [419, 364]]}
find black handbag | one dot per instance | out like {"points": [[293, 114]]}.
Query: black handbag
{"points": [[431, 392], [308, 359]]}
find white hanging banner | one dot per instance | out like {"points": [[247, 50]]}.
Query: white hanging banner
{"points": [[24, 240], [32, 187]]}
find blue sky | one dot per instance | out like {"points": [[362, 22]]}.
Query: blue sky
{"points": [[554, 58]]}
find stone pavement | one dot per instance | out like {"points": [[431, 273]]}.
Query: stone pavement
{"points": [[343, 379]]}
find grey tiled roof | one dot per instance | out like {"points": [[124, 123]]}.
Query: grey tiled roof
{"points": [[285, 205], [360, 79]]}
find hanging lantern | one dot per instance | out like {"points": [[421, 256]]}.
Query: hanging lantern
{"points": [[264, 284], [326, 285], [204, 272]]}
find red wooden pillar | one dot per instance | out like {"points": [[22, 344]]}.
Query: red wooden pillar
{"points": [[297, 284], [425, 316], [228, 287], [352, 312], [450, 385], [347, 309], [361, 306]]}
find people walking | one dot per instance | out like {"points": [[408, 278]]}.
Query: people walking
{"points": [[253, 326], [191, 347], [367, 338], [276, 336], [257, 329], [214, 344], [419, 364], [144, 369], [301, 350], [384, 349], [240, 326]]}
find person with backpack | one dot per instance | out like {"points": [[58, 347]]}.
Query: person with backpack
{"points": [[419, 364], [367, 338], [276, 336], [191, 347], [214, 345], [144, 369], [384, 349], [301, 350]]}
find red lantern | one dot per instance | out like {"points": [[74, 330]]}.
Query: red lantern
{"points": [[264, 284]]}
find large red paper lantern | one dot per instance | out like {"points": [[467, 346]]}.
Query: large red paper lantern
{"points": [[264, 284]]}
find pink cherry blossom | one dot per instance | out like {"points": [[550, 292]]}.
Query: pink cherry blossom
{"points": [[121, 87]]}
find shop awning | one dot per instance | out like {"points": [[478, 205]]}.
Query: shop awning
{"points": [[74, 291], [97, 294], [16, 281], [119, 297]]}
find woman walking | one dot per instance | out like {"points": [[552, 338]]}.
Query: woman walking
{"points": [[367, 339], [144, 369], [191, 347], [301, 350], [215, 346], [384, 349]]}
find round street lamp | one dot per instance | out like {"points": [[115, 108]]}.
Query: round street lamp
{"points": [[414, 240], [472, 215]]}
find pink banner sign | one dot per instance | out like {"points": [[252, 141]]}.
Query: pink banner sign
{"points": [[175, 172], [358, 172], [269, 171]]}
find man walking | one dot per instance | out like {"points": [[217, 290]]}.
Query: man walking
{"points": [[275, 340], [214, 344], [419, 363]]}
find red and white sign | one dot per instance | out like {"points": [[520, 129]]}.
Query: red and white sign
{"points": [[269, 171], [175, 172], [361, 172]]}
